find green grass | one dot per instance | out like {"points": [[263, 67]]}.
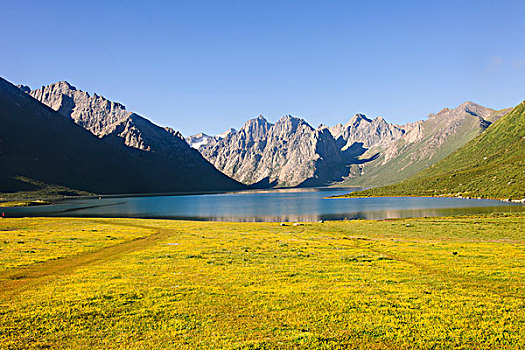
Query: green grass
{"points": [[412, 157], [27, 203], [30, 189], [490, 166], [429, 283]]}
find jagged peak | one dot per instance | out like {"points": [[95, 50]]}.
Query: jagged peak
{"points": [[294, 121], [200, 134], [63, 84], [469, 106], [290, 117], [226, 133], [357, 118], [259, 121], [65, 87]]}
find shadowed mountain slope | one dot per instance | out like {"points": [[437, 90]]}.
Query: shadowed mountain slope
{"points": [[40, 147]]}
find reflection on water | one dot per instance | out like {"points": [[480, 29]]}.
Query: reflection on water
{"points": [[285, 205]]}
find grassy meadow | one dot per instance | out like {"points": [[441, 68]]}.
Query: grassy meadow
{"points": [[425, 283]]}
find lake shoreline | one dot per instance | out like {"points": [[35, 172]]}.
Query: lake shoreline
{"points": [[349, 195]]}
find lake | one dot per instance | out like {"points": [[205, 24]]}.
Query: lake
{"points": [[281, 205]]}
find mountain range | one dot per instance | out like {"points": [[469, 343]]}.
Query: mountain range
{"points": [[59, 140], [362, 152], [489, 166]]}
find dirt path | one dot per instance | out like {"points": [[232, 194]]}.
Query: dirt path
{"points": [[25, 277]]}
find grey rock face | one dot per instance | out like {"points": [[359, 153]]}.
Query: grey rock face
{"points": [[94, 113], [111, 122], [362, 152], [368, 132], [423, 144], [287, 153]]}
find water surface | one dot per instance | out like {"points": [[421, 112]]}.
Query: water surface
{"points": [[266, 205]]}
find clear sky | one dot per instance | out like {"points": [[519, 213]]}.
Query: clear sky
{"points": [[210, 65]]}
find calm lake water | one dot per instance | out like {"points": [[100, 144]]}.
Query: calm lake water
{"points": [[266, 205]]}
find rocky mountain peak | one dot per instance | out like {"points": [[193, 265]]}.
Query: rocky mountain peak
{"points": [[357, 119], [130, 156], [256, 128], [260, 120], [465, 110], [63, 84], [111, 122], [287, 153], [291, 124], [94, 113], [201, 134], [475, 109], [226, 133], [468, 104]]}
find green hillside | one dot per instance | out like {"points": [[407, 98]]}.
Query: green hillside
{"points": [[491, 165], [439, 135]]}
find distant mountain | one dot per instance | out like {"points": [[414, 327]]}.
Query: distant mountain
{"points": [[422, 144], [201, 139], [287, 153], [362, 152], [360, 129], [492, 165], [111, 122], [198, 140], [41, 148]]}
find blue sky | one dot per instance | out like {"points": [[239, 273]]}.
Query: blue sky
{"points": [[210, 65]]}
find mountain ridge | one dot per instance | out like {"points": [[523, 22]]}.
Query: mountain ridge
{"points": [[364, 151], [42, 133], [489, 166]]}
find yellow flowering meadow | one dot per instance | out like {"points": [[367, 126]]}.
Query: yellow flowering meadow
{"points": [[428, 283]]}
